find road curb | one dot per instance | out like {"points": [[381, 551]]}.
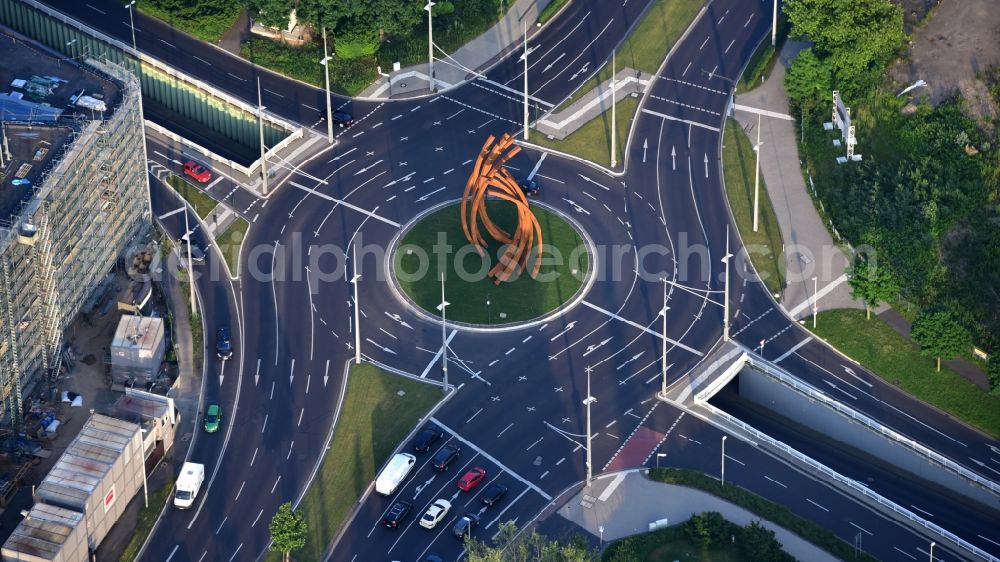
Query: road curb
{"points": [[559, 311]]}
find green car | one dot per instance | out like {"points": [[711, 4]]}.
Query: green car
{"points": [[213, 418]]}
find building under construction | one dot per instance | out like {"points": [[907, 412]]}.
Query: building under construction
{"points": [[73, 200]]}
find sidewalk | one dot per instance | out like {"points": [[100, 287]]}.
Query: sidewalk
{"points": [[809, 247], [626, 503], [475, 55], [970, 371]]}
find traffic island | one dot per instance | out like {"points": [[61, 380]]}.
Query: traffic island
{"points": [[435, 243]]}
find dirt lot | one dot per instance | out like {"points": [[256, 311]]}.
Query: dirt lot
{"points": [[961, 38]]}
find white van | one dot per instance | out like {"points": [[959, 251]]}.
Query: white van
{"points": [[188, 484], [394, 473]]}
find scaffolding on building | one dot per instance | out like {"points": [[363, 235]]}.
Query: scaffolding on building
{"points": [[85, 211]]}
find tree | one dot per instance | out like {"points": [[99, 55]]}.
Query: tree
{"points": [[759, 544], [271, 13], [871, 283], [808, 77], [939, 335], [993, 373], [288, 530], [859, 37]]}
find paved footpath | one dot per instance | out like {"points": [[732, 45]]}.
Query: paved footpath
{"points": [[800, 224], [627, 502]]}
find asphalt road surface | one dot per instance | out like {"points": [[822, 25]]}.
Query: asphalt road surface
{"points": [[518, 409]]}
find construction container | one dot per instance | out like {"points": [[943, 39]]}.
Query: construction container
{"points": [[98, 474], [48, 533], [137, 350]]}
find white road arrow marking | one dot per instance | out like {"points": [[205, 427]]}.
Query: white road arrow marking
{"points": [[631, 359], [421, 487], [645, 145], [256, 376], [673, 157], [546, 69], [592, 348], [326, 374], [706, 165], [568, 328], [399, 319]]}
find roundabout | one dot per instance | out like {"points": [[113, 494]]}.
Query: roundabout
{"points": [[433, 243]]}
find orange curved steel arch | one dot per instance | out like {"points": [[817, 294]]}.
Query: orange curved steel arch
{"points": [[489, 177]]}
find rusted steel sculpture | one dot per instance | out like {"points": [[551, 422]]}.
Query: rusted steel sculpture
{"points": [[490, 178]]}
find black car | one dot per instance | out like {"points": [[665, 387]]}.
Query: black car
{"points": [[433, 558], [530, 187], [493, 493], [343, 119], [463, 528], [223, 343], [444, 457], [397, 514], [426, 438]]}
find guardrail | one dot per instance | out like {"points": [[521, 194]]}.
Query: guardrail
{"points": [[855, 485], [815, 394]]}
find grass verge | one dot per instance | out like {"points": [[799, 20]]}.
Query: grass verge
{"points": [[648, 44], [763, 246], [201, 201], [205, 26], [878, 347], [147, 518], [231, 241], [766, 509], [763, 59], [468, 286], [593, 140], [374, 418], [551, 10]]}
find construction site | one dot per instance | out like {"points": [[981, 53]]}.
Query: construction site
{"points": [[74, 208]]}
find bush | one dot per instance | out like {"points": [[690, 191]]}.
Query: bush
{"points": [[356, 43], [993, 373]]}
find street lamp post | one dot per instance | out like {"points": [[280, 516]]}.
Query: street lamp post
{"points": [[774, 25], [614, 152], [190, 268], [663, 351], [815, 304], [329, 102], [525, 57], [357, 307], [932, 551], [131, 21], [260, 124], [725, 298], [756, 179], [590, 400], [444, 338], [723, 471], [600, 529], [658, 456], [430, 43]]}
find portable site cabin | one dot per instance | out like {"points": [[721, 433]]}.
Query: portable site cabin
{"points": [[47, 534], [137, 350], [98, 474]]}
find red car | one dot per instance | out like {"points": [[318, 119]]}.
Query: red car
{"points": [[471, 479], [197, 172]]}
